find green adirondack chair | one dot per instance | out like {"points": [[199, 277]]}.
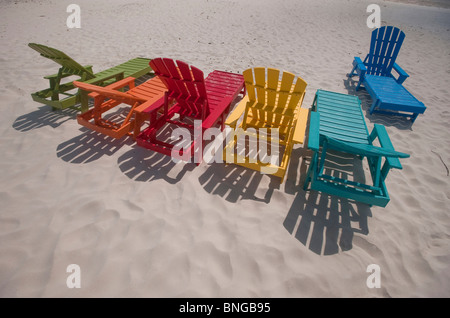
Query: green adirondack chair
{"points": [[337, 123], [59, 95]]}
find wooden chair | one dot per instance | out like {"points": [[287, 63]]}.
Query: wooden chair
{"points": [[337, 123], [375, 74], [272, 105], [148, 95], [192, 98], [58, 95]]}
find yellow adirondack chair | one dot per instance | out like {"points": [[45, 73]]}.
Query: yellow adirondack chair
{"points": [[272, 118]]}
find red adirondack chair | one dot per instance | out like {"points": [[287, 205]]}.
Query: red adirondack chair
{"points": [[193, 98]]}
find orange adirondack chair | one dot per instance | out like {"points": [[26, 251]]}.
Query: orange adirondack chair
{"points": [[194, 98], [149, 94]]}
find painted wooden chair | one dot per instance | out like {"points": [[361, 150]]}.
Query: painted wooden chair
{"points": [[60, 95], [375, 74], [272, 114], [148, 95], [337, 123], [192, 99]]}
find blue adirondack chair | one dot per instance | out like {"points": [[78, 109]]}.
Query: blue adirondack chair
{"points": [[375, 74], [337, 123]]}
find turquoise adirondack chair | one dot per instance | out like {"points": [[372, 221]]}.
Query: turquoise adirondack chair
{"points": [[375, 74], [337, 123]]}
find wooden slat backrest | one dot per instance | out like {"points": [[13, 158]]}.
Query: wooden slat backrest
{"points": [[272, 85], [199, 82], [70, 66], [185, 83], [385, 45], [163, 73], [273, 102], [202, 100], [187, 75], [248, 79], [176, 77]]}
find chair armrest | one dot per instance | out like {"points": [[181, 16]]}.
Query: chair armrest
{"points": [[314, 136], [109, 93], [99, 80], [150, 106], [359, 65], [237, 112], [379, 131], [363, 149], [122, 83], [53, 76], [117, 85], [300, 126], [402, 75]]}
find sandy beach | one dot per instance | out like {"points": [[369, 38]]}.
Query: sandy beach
{"points": [[139, 225]]}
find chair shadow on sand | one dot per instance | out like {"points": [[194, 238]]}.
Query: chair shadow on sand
{"points": [[42, 117], [399, 122], [234, 182], [46, 116], [144, 165], [324, 223], [89, 146], [138, 163]]}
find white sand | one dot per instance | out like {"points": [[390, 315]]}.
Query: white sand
{"points": [[140, 226]]}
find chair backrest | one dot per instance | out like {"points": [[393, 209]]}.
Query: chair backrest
{"points": [[184, 82], [384, 47], [70, 66], [279, 97]]}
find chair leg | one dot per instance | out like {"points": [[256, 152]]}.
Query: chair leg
{"points": [[359, 85], [310, 170], [372, 108], [307, 180], [352, 73]]}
